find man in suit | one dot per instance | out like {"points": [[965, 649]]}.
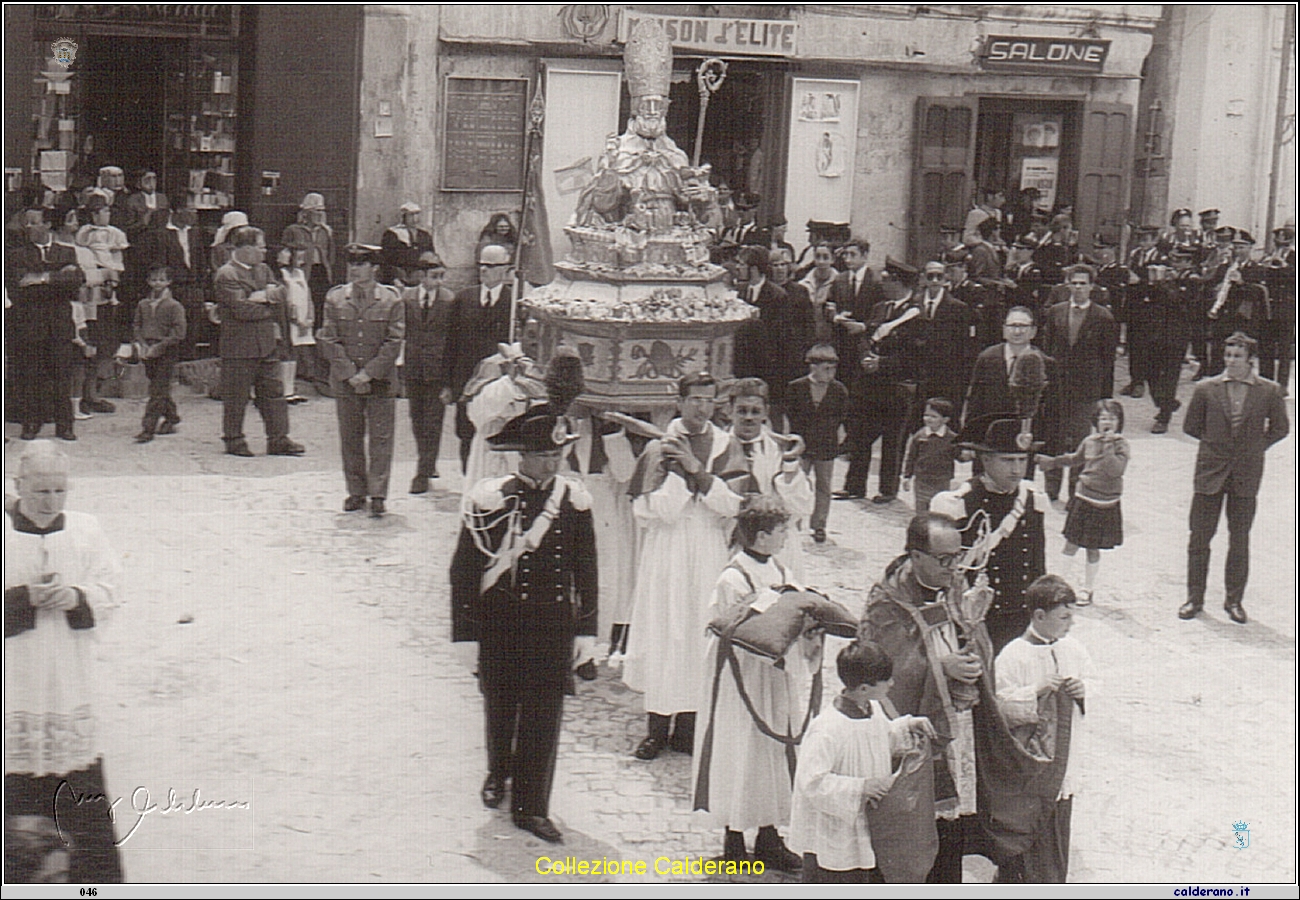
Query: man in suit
{"points": [[891, 368], [1236, 416], [429, 307], [1277, 349], [990, 381], [526, 602], [946, 343], [1081, 336], [855, 295], [766, 345], [361, 338], [180, 246], [253, 322], [480, 320], [41, 281]]}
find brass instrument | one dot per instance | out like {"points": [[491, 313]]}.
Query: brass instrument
{"points": [[1230, 277]]}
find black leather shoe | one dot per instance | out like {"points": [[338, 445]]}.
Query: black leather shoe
{"points": [[376, 507], [587, 671], [819, 535], [98, 405], [849, 495], [1159, 427], [650, 748], [144, 437], [494, 789], [1235, 612], [775, 855], [419, 485], [541, 826], [65, 433], [353, 503], [30, 432], [882, 499], [238, 448], [284, 447], [1191, 609]]}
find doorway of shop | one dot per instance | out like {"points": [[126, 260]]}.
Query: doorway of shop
{"points": [[745, 128], [1029, 143], [125, 105]]}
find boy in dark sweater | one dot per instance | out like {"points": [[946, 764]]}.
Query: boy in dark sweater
{"points": [[817, 405], [159, 331], [931, 454]]}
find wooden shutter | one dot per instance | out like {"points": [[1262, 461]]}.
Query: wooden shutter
{"points": [[1104, 157], [941, 182]]}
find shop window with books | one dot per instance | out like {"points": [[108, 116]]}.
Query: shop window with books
{"points": [[201, 117]]}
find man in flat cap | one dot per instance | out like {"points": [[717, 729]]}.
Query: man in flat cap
{"points": [[253, 327], [360, 339], [429, 305], [403, 243], [524, 586]]}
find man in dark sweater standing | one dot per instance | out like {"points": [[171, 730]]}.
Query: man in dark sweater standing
{"points": [[480, 320]]}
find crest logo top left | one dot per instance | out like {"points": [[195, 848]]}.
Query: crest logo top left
{"points": [[65, 51]]}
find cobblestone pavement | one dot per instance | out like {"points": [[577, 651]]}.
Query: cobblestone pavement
{"points": [[274, 652]]}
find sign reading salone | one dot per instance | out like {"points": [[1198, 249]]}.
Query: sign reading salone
{"points": [[1008, 52], [725, 36]]}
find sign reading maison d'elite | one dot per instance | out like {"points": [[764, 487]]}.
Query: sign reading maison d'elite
{"points": [[719, 36], [1059, 54]]}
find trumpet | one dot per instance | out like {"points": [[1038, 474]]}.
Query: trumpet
{"points": [[1230, 277]]}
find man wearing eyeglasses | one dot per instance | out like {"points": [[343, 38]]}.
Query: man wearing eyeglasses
{"points": [[479, 321], [947, 340], [939, 659]]}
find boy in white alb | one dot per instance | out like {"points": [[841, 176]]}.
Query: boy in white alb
{"points": [[1030, 671], [846, 763]]}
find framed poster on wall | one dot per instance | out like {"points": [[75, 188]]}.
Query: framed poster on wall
{"points": [[823, 141], [485, 121]]}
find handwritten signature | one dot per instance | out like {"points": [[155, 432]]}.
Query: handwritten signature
{"points": [[142, 805]]}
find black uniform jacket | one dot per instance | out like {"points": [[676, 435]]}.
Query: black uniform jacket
{"points": [[551, 595]]}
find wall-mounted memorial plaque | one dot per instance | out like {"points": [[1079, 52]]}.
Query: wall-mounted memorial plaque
{"points": [[485, 121]]}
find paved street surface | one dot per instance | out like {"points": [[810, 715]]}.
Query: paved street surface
{"points": [[292, 662]]}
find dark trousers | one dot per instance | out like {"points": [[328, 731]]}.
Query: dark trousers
{"points": [[811, 873], [465, 431], [957, 837], [880, 423], [61, 814], [1075, 425], [427, 412], [160, 405], [523, 697], [1140, 347], [40, 382], [262, 376], [1166, 367], [1048, 859], [1004, 627], [366, 469], [822, 471], [1204, 522]]}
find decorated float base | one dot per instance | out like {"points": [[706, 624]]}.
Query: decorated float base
{"points": [[637, 339]]}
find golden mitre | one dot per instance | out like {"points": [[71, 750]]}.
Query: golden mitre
{"points": [[648, 60]]}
